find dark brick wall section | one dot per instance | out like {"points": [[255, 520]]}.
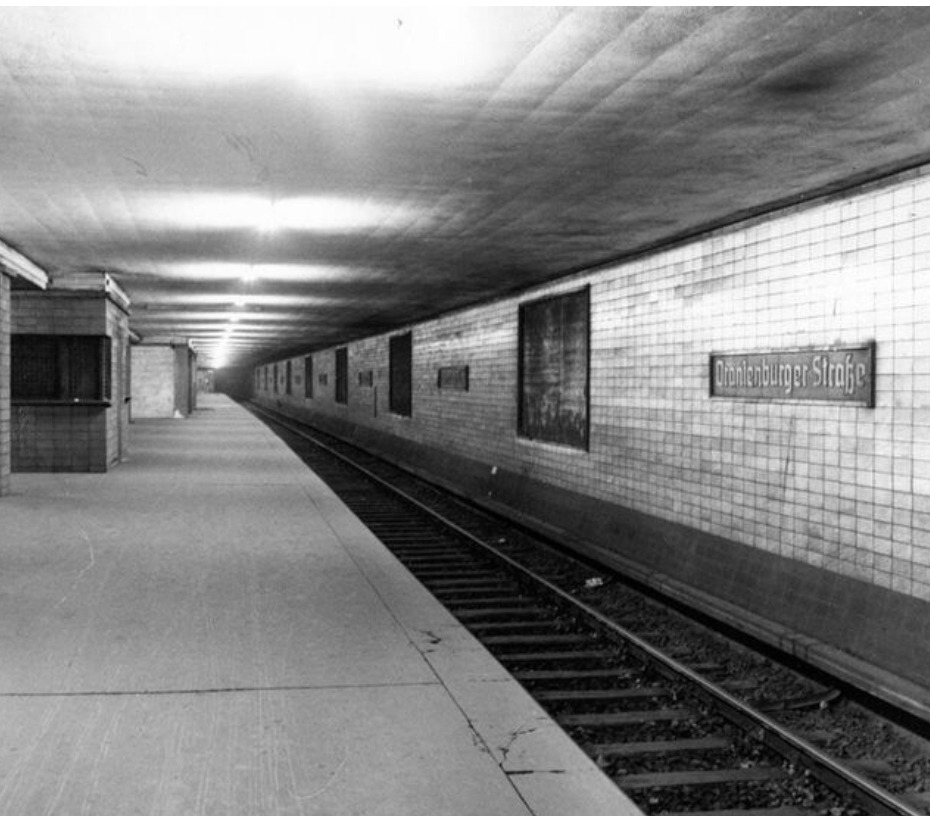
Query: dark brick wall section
{"points": [[60, 439], [50, 312]]}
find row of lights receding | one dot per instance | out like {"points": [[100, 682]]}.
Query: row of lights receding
{"points": [[268, 225], [234, 317]]}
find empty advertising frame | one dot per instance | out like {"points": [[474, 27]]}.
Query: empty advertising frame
{"points": [[308, 377], [554, 369], [60, 368], [401, 371], [342, 376]]}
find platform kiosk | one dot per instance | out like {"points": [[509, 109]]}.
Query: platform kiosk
{"points": [[68, 366], [16, 271]]}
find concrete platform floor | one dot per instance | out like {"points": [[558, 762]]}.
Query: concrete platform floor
{"points": [[208, 630]]}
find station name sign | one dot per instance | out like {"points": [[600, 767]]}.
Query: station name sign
{"points": [[835, 374]]}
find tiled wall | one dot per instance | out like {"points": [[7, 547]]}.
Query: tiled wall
{"points": [[5, 441], [839, 487]]}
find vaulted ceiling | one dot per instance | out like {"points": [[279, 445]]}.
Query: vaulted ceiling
{"points": [[273, 180]]}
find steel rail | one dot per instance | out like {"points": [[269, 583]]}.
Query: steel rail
{"points": [[781, 740]]}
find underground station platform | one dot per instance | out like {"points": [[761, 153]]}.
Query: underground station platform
{"points": [[207, 629]]}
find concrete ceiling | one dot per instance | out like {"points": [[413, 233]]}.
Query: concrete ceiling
{"points": [[269, 180]]}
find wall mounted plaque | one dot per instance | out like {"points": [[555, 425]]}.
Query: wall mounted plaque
{"points": [[453, 377], [836, 374]]}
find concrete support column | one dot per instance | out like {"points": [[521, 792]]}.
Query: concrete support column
{"points": [[5, 434]]}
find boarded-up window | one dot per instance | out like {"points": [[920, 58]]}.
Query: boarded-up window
{"points": [[401, 371], [308, 377], [287, 378], [342, 375], [553, 390], [60, 367]]}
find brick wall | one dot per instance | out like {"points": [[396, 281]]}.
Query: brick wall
{"points": [[163, 379], [5, 440], [51, 312], [832, 489], [86, 438], [117, 416], [62, 439], [153, 381]]}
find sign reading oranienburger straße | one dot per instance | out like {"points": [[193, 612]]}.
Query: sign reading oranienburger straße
{"points": [[836, 374]]}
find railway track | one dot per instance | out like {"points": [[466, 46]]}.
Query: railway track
{"points": [[667, 728]]}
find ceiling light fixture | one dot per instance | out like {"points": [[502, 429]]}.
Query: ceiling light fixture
{"points": [[268, 221], [231, 211], [250, 275], [296, 272], [320, 46]]}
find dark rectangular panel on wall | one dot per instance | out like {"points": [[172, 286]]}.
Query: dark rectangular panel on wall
{"points": [[401, 372], [554, 369], [34, 364], [288, 378], [342, 375], [60, 368], [105, 355], [308, 377], [453, 378], [274, 374]]}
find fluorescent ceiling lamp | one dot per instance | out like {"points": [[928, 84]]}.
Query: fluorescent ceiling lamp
{"points": [[248, 211], [248, 274], [269, 219], [186, 322], [310, 273], [316, 45], [220, 299]]}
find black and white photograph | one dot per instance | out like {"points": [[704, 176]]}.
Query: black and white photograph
{"points": [[446, 410]]}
